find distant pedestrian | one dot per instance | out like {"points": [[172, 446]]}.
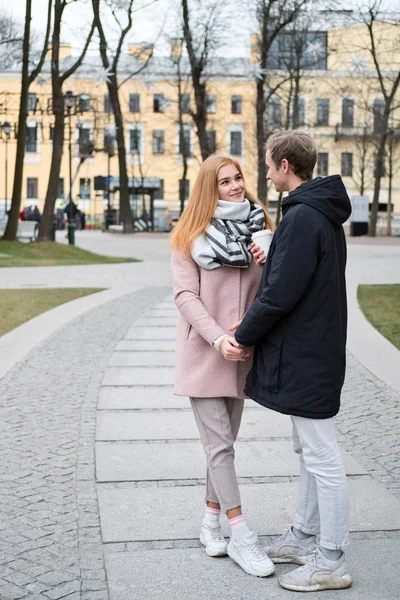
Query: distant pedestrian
{"points": [[297, 326], [215, 278]]}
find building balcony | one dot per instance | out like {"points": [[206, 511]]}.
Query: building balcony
{"points": [[361, 131]]}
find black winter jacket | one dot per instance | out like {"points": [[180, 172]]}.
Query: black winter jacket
{"points": [[298, 321]]}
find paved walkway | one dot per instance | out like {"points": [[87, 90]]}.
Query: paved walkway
{"points": [[102, 472]]}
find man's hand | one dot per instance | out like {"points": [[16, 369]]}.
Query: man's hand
{"points": [[231, 350], [234, 326], [258, 254]]}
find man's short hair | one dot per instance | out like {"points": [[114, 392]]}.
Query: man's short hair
{"points": [[297, 147]]}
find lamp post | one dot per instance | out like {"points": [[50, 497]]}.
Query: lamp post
{"points": [[69, 103], [6, 127]]}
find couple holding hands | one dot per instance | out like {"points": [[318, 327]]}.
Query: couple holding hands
{"points": [[272, 330]]}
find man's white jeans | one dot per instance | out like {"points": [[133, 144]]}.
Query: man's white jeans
{"points": [[323, 504]]}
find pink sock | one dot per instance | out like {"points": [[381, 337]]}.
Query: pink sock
{"points": [[239, 528], [211, 517]]}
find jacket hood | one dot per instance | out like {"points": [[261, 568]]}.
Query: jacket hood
{"points": [[326, 194]]}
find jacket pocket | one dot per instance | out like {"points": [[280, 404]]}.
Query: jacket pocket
{"points": [[188, 331], [268, 361]]}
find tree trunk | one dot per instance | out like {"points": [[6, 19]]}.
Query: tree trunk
{"points": [[12, 224], [47, 220], [201, 116], [377, 187], [125, 207], [262, 169], [390, 189]]}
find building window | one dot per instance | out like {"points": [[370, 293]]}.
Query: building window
{"points": [[158, 103], [236, 105], [300, 118], [31, 139], [211, 103], [347, 164], [274, 111], [236, 143], [185, 138], [32, 187], [378, 110], [51, 133], [134, 103], [135, 140], [211, 141], [158, 141], [60, 192], [84, 188], [185, 104], [347, 112], [322, 164], [107, 103], [32, 101], [84, 102], [186, 184], [322, 111], [84, 140], [159, 193]]}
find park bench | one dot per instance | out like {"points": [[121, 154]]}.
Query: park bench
{"points": [[27, 230]]}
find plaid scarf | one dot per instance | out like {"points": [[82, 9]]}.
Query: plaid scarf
{"points": [[227, 239]]}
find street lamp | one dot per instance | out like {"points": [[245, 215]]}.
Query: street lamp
{"points": [[6, 127], [69, 103]]}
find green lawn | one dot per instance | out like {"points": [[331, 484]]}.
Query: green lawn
{"points": [[18, 306], [381, 305], [49, 254]]}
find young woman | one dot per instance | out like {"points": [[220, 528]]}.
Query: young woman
{"points": [[215, 282]]}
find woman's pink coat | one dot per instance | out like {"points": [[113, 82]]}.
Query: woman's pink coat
{"points": [[209, 302]]}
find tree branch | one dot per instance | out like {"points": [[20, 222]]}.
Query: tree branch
{"points": [[35, 72], [78, 63]]}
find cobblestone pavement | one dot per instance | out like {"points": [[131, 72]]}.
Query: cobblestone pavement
{"points": [[50, 540], [369, 422]]}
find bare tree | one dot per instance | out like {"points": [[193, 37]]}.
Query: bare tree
{"points": [[393, 159], [273, 16], [26, 80], [389, 81], [11, 38], [110, 61], [203, 33], [57, 81]]}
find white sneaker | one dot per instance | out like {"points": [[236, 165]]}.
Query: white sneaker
{"points": [[250, 556], [213, 540], [289, 549], [318, 574]]}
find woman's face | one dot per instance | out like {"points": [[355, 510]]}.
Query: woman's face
{"points": [[230, 184]]}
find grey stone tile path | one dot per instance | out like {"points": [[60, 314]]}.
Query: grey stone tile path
{"points": [[101, 492], [50, 538], [150, 479]]}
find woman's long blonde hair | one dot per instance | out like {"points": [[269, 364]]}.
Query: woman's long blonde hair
{"points": [[203, 202]]}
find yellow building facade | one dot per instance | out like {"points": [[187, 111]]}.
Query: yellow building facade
{"points": [[339, 106]]}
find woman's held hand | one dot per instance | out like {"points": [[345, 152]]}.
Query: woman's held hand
{"points": [[231, 350], [258, 254]]}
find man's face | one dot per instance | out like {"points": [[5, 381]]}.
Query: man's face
{"points": [[277, 174]]}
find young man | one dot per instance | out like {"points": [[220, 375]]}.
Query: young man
{"points": [[297, 325]]}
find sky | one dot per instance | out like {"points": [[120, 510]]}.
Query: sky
{"points": [[151, 22]]}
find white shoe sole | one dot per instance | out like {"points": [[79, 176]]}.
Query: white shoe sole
{"points": [[295, 560], [331, 583], [246, 568], [213, 552]]}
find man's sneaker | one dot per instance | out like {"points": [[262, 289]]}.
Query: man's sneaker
{"points": [[317, 575], [250, 556], [213, 540], [288, 549]]}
